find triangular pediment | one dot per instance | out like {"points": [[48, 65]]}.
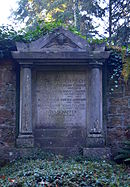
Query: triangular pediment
{"points": [[60, 39]]}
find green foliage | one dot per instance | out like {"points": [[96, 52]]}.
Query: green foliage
{"points": [[117, 60], [69, 11], [42, 29], [126, 67], [56, 172], [119, 65], [119, 22], [7, 42], [124, 153], [78, 13], [97, 40], [8, 33], [115, 67]]}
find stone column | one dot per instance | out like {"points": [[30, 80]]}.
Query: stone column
{"points": [[25, 138], [95, 128]]}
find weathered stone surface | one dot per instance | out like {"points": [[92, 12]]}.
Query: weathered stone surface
{"points": [[95, 128], [25, 141], [97, 153], [65, 151], [95, 141], [61, 99], [67, 102], [60, 39], [60, 142], [61, 109], [76, 132], [7, 135], [25, 137], [118, 114], [61, 44], [25, 102], [8, 154], [7, 104]]}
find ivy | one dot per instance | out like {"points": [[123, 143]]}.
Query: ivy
{"points": [[119, 61], [118, 65], [28, 35], [115, 68], [55, 171]]}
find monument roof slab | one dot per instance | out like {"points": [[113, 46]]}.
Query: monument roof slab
{"points": [[60, 55], [61, 44], [60, 39]]}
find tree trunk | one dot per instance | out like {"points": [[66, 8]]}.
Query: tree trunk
{"points": [[110, 22], [76, 14]]}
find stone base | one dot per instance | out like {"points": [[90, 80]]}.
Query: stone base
{"points": [[25, 141], [97, 153], [93, 142], [64, 151]]}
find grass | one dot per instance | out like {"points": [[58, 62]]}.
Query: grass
{"points": [[55, 171]]}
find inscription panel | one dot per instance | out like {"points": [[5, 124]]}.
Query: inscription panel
{"points": [[61, 99]]}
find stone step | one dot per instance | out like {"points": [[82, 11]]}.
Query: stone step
{"points": [[97, 153], [65, 151], [59, 142], [67, 132]]}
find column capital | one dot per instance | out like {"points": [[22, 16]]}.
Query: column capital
{"points": [[26, 66], [96, 63]]}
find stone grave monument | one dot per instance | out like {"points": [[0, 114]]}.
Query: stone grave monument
{"points": [[61, 105]]}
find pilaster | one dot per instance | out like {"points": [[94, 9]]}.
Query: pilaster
{"points": [[25, 137], [95, 135]]}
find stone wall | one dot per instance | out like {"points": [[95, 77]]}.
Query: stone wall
{"points": [[117, 112], [7, 103]]}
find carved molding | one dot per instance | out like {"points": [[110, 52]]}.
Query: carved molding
{"points": [[59, 37], [61, 42]]}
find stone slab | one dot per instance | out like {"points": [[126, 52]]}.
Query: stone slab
{"points": [[61, 99], [57, 132], [25, 141], [97, 141], [64, 151], [11, 153], [97, 153], [59, 142]]}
